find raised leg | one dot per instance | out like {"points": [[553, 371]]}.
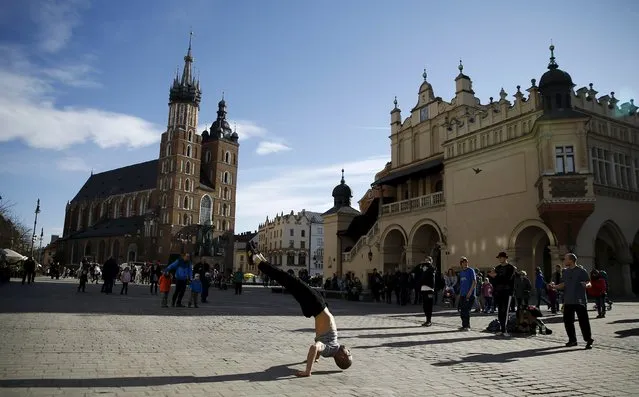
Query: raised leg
{"points": [[311, 302]]}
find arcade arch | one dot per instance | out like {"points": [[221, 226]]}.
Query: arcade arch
{"points": [[611, 255], [394, 242]]}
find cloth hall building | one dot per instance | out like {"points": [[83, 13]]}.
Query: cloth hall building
{"points": [[183, 201], [548, 172]]}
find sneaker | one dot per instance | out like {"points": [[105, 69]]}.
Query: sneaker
{"points": [[571, 343], [588, 344], [427, 324], [253, 255]]}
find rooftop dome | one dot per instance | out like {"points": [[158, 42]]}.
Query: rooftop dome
{"points": [[342, 194], [554, 76]]}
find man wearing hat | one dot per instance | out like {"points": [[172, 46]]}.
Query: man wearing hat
{"points": [[503, 276]]}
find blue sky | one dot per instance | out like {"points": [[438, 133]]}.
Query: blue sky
{"points": [[84, 84]]}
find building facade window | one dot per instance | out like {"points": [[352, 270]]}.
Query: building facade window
{"points": [[206, 205], [622, 167], [564, 160], [227, 158], [207, 156], [187, 185], [290, 259], [188, 151], [187, 169]]}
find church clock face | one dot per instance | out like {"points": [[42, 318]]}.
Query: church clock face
{"points": [[423, 114]]}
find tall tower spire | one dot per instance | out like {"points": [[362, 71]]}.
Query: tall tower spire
{"points": [[187, 74], [186, 88]]}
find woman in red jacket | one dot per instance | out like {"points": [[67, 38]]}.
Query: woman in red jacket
{"points": [[598, 291]]}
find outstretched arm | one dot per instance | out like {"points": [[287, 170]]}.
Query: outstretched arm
{"points": [[313, 353]]}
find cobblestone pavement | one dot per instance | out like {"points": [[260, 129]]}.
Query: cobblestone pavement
{"points": [[58, 342]]}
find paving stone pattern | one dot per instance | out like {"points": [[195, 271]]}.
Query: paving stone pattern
{"points": [[57, 342]]}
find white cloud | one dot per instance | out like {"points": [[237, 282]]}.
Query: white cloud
{"points": [[267, 192], [28, 110], [269, 147], [56, 21], [73, 75], [73, 164]]}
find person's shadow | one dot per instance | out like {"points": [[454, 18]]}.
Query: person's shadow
{"points": [[276, 372], [504, 357]]}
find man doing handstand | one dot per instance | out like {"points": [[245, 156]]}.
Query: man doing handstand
{"points": [[313, 305]]}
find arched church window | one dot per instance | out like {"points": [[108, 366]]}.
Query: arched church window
{"points": [[207, 156], [190, 136], [188, 151], [185, 219], [227, 158], [186, 203], [188, 167], [206, 205], [168, 149], [187, 185], [129, 207]]}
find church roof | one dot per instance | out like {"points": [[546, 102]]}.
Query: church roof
{"points": [[129, 179], [112, 227]]}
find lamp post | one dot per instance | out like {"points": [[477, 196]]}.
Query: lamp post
{"points": [[35, 222], [40, 248]]}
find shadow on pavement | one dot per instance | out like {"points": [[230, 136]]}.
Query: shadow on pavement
{"points": [[397, 335], [360, 329], [277, 372], [626, 321], [401, 344], [624, 333], [504, 357]]}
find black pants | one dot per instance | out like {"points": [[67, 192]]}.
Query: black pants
{"points": [[427, 300], [238, 288], [28, 276], [125, 289], [501, 302], [180, 289], [205, 291], [584, 322], [83, 284], [154, 284], [311, 302]]}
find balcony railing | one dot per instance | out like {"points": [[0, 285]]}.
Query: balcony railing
{"points": [[428, 201], [363, 241]]}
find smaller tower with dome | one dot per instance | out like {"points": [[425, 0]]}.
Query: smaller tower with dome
{"points": [[220, 148], [336, 222]]}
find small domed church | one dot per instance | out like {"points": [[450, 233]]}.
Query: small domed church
{"points": [[542, 172], [183, 201]]}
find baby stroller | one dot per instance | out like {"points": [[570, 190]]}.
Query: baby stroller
{"points": [[448, 298], [528, 322]]}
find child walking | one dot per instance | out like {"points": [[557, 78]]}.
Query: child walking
{"points": [[196, 289], [487, 293], [125, 277], [165, 288]]}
